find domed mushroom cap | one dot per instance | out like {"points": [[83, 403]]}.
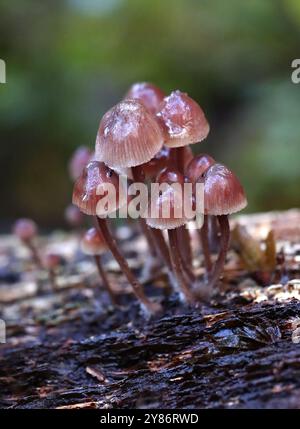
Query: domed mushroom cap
{"points": [[87, 191], [128, 135], [80, 158], [168, 210], [183, 120], [51, 260], [223, 193], [148, 94], [93, 243], [170, 175], [25, 229], [198, 166], [73, 216]]}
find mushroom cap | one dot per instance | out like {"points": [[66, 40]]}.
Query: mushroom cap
{"points": [[171, 198], [87, 189], [51, 260], [128, 135], [80, 158], [25, 229], [148, 94], [170, 176], [73, 215], [93, 242], [223, 193], [183, 120], [198, 166]]}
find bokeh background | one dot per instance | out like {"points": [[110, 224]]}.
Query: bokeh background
{"points": [[68, 61]]}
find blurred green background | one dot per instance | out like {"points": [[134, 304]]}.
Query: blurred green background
{"points": [[68, 61]]}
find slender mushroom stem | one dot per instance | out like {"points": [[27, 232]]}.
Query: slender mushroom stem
{"points": [[136, 286], [224, 243], [139, 176], [203, 234], [175, 257], [105, 280], [183, 262], [149, 237], [180, 151], [185, 244], [52, 279], [186, 248], [213, 237], [35, 255], [162, 247]]}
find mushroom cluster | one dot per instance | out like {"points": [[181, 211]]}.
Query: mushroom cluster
{"points": [[147, 138]]}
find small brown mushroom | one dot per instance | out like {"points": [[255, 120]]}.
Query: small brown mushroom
{"points": [[170, 216], [26, 231], [93, 243], [223, 195]]}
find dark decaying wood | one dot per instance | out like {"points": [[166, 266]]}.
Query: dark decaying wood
{"points": [[239, 351]]}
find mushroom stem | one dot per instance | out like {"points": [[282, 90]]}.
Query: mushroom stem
{"points": [[35, 255], [149, 237], [180, 158], [104, 279], [183, 261], [203, 234], [175, 258], [224, 244], [136, 286], [184, 239], [214, 241], [162, 247], [139, 176], [52, 279]]}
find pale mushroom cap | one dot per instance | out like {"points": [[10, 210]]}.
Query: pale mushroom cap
{"points": [[183, 120], [51, 260], [170, 197], [128, 136], [80, 158], [73, 215], [25, 229], [198, 166], [148, 94], [223, 193], [87, 190], [93, 243]]}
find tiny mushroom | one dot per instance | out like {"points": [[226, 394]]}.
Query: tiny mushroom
{"points": [[93, 243], [223, 195], [78, 161], [195, 172], [73, 216], [51, 261], [169, 215], [26, 231]]}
